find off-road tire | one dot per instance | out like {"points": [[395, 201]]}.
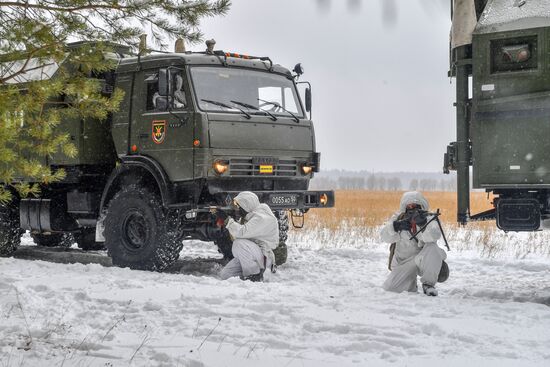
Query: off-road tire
{"points": [[10, 233], [53, 240], [85, 240], [137, 232], [281, 252]]}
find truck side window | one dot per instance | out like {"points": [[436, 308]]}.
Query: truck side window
{"points": [[514, 54], [290, 102], [152, 85], [156, 102], [180, 102]]}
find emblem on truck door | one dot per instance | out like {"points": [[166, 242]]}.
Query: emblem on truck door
{"points": [[159, 131]]}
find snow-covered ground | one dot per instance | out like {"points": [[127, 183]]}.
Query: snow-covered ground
{"points": [[324, 307]]}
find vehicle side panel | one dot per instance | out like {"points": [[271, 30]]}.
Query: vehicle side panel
{"points": [[510, 116]]}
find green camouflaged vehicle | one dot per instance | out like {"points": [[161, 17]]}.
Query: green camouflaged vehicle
{"points": [[500, 56], [193, 130]]}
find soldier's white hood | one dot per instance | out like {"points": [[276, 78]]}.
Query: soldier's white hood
{"points": [[251, 204], [413, 197], [248, 201]]}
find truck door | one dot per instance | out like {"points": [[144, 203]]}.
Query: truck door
{"points": [[163, 127]]}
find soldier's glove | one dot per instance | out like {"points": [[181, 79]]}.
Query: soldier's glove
{"points": [[221, 218], [421, 218], [401, 225]]}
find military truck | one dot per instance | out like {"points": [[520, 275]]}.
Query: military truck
{"points": [[500, 57], [193, 130]]}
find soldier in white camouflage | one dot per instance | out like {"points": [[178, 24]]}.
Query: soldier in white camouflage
{"points": [[420, 256], [254, 239]]}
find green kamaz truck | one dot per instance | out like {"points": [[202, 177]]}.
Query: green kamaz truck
{"points": [[193, 130], [500, 57]]}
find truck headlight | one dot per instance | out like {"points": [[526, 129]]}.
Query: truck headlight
{"points": [[220, 167], [323, 199], [306, 169]]}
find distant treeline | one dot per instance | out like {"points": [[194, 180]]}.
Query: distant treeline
{"points": [[383, 183]]}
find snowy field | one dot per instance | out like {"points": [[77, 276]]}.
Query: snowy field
{"points": [[324, 307]]}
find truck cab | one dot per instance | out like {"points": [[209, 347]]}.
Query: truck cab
{"points": [[216, 124]]}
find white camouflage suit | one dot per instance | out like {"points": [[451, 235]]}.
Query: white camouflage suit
{"points": [[253, 240], [411, 258]]}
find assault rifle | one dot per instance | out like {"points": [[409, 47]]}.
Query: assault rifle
{"points": [[213, 210], [435, 217], [230, 209]]}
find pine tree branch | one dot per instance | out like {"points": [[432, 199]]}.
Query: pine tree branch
{"points": [[32, 32], [23, 69], [26, 5]]}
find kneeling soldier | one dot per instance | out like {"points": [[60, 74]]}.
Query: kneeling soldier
{"points": [[254, 239], [419, 256]]}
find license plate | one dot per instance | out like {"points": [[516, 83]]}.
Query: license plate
{"points": [[270, 161], [266, 169], [283, 200]]}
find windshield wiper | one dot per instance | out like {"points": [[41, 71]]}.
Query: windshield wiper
{"points": [[281, 107], [251, 107], [221, 104]]}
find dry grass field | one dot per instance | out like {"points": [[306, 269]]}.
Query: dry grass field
{"points": [[362, 208], [358, 214]]}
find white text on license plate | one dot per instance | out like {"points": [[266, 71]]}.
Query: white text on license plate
{"points": [[284, 200]]}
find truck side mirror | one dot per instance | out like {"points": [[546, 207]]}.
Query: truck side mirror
{"points": [[308, 99], [164, 82]]}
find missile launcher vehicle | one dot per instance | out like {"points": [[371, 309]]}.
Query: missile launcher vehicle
{"points": [[500, 58]]}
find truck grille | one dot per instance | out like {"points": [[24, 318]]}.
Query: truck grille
{"points": [[246, 167]]}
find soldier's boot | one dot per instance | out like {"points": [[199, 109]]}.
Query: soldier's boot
{"points": [[429, 290], [255, 277]]}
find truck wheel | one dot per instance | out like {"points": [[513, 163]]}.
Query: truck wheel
{"points": [[10, 234], [281, 252], [53, 240], [86, 240], [282, 217], [137, 234]]}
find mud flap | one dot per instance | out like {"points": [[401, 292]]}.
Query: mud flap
{"points": [[518, 215], [99, 230]]}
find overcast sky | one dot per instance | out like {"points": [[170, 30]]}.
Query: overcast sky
{"points": [[381, 97]]}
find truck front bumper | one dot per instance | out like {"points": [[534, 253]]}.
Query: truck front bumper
{"points": [[281, 200]]}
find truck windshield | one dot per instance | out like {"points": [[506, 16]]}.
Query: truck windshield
{"points": [[261, 90]]}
